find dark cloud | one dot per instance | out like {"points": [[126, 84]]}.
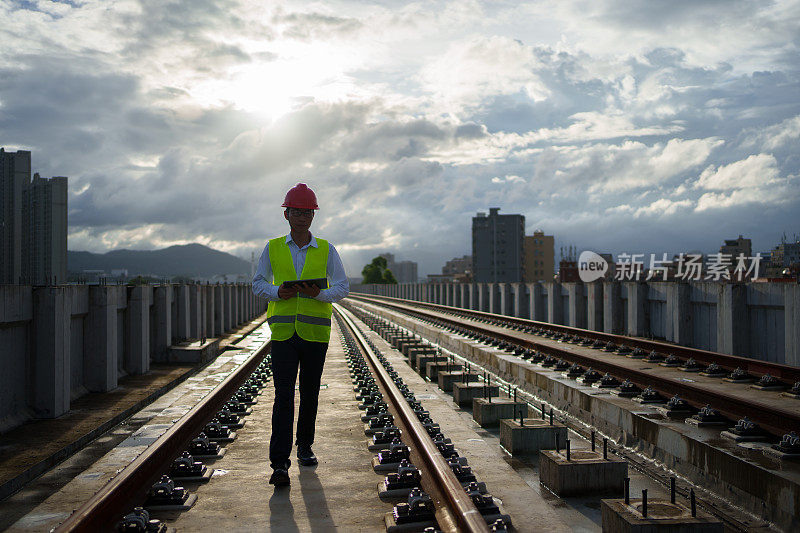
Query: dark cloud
{"points": [[603, 149]]}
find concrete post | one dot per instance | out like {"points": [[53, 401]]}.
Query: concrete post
{"points": [[536, 310], [577, 305], [210, 302], [555, 303], [493, 298], [162, 322], [219, 310], [679, 313], [638, 324], [791, 317], [594, 306], [195, 313], [457, 294], [612, 307], [229, 316], [504, 297], [472, 296], [243, 318], [137, 349], [733, 320], [520, 300], [483, 304], [236, 310], [182, 326], [100, 356], [50, 364]]}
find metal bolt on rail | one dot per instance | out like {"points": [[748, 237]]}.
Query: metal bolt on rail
{"points": [[790, 443], [419, 508], [164, 492], [139, 520], [186, 466], [202, 446], [654, 357], [407, 476]]}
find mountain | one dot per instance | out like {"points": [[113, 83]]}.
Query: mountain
{"points": [[180, 260]]}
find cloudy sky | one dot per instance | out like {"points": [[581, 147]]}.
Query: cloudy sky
{"points": [[616, 126]]}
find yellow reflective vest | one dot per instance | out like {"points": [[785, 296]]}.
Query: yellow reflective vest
{"points": [[309, 318]]}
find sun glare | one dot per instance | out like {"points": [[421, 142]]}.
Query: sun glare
{"points": [[274, 88]]}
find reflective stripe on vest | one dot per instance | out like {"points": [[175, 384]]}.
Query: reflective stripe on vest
{"points": [[306, 316]]}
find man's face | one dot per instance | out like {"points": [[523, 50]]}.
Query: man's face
{"points": [[299, 219]]}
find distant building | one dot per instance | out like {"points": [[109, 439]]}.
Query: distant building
{"points": [[33, 223], [497, 247], [539, 256], [568, 271], [736, 247], [15, 175], [46, 216], [458, 269], [786, 254], [404, 271]]}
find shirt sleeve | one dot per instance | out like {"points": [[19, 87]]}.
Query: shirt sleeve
{"points": [[262, 281], [339, 286]]}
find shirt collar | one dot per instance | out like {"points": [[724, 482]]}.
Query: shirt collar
{"points": [[312, 242]]}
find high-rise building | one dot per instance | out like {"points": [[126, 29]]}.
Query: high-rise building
{"points": [[497, 247], [539, 257], [734, 247], [15, 175], [459, 268], [404, 271], [33, 223], [46, 250]]}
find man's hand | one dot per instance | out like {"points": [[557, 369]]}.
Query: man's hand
{"points": [[287, 292], [309, 289]]}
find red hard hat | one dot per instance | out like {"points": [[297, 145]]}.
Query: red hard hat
{"points": [[301, 197]]}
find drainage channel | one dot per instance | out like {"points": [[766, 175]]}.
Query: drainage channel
{"points": [[478, 387], [421, 462]]}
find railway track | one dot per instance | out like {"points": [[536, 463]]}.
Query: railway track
{"points": [[149, 481], [460, 506], [441, 492], [436, 484], [738, 390]]}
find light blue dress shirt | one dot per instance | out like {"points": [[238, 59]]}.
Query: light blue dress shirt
{"points": [[338, 286]]}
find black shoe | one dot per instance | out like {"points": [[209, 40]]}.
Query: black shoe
{"points": [[279, 478], [305, 456]]}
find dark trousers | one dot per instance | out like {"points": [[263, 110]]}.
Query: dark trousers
{"points": [[287, 356]]}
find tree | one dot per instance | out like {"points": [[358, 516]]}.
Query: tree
{"points": [[376, 272]]}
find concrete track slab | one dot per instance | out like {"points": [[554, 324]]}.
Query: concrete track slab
{"points": [[338, 494], [50, 499], [529, 505]]}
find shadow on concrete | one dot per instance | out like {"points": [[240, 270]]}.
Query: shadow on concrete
{"points": [[316, 503], [281, 511]]}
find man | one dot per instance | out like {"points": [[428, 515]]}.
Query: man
{"points": [[299, 316]]}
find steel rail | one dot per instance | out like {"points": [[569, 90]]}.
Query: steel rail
{"points": [[756, 367], [462, 514], [128, 488], [773, 419]]}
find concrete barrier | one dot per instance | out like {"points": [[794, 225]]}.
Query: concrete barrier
{"points": [[756, 320], [60, 342]]}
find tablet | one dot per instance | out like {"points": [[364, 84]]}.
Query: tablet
{"points": [[322, 283]]}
